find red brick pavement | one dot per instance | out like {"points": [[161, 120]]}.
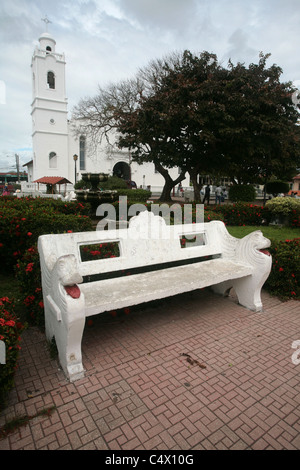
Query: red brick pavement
{"points": [[146, 388]]}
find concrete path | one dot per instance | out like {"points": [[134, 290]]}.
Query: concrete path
{"points": [[191, 372]]}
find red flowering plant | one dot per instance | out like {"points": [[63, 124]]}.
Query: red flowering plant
{"points": [[284, 279], [10, 331], [23, 220], [28, 274], [99, 251], [244, 214]]}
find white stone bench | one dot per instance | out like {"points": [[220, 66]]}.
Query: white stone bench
{"points": [[159, 267]]}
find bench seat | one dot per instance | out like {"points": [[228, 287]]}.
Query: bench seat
{"points": [[112, 294], [152, 264]]}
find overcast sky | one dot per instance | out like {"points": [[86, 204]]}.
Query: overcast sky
{"points": [[108, 40]]}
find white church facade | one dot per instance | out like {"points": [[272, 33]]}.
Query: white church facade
{"points": [[54, 141]]}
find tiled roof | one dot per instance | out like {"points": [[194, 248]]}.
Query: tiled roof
{"points": [[52, 180]]}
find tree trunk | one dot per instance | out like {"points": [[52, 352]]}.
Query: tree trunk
{"points": [[197, 187], [169, 183], [166, 192]]}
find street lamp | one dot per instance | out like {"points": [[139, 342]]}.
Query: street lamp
{"points": [[75, 158]]}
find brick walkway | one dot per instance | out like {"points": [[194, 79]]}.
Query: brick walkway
{"points": [[146, 388]]}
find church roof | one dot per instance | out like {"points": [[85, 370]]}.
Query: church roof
{"points": [[52, 180]]}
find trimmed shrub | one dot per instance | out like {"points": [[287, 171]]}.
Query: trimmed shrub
{"points": [[10, 331], [242, 193], [276, 187], [285, 274], [283, 205], [286, 209]]}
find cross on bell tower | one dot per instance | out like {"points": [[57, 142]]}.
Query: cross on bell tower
{"points": [[46, 21]]}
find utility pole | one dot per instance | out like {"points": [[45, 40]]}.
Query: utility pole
{"points": [[18, 167]]}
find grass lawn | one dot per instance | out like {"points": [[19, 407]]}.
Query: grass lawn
{"points": [[274, 233]]}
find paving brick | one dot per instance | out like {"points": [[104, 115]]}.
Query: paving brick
{"points": [[139, 391]]}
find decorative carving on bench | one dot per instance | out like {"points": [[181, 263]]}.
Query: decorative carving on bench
{"points": [[251, 250], [64, 307], [149, 226]]}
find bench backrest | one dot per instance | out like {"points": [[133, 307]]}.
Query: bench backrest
{"points": [[147, 241]]}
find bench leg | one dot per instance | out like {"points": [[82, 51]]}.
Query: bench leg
{"points": [[248, 292], [67, 330]]}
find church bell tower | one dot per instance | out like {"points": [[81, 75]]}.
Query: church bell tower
{"points": [[49, 110]]}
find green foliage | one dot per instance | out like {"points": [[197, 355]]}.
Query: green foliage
{"points": [[283, 205], [210, 215], [22, 221], [83, 185], [28, 275], [286, 208], [48, 204], [285, 274], [135, 195], [243, 214], [242, 193], [10, 331], [114, 182], [99, 251], [276, 187]]}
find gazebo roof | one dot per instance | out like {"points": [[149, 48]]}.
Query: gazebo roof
{"points": [[52, 180]]}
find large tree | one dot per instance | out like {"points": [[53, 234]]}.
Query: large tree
{"points": [[237, 121], [164, 116], [261, 137], [176, 124], [187, 111]]}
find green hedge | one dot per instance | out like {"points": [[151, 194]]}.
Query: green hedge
{"points": [[48, 204], [242, 193], [134, 195], [276, 187]]}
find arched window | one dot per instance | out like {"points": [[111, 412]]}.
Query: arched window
{"points": [[82, 152], [48, 49], [52, 160], [51, 80]]}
